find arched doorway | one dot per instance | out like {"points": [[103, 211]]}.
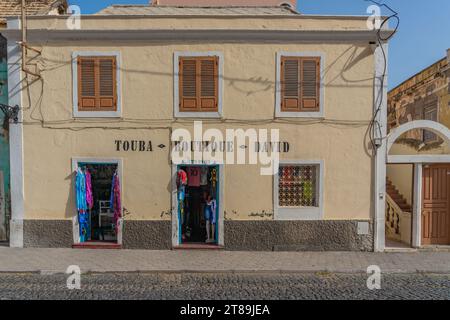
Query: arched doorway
{"points": [[431, 186]]}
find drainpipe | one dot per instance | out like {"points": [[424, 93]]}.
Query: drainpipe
{"points": [[24, 33], [380, 93]]}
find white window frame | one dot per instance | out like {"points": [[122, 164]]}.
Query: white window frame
{"points": [[299, 114], [300, 213], [96, 114], [176, 92]]}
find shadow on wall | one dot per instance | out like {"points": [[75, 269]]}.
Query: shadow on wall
{"points": [[352, 55], [349, 58], [340, 68]]}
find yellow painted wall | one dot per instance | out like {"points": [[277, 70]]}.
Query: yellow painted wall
{"points": [[147, 93]]}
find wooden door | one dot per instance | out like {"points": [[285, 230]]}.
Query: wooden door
{"points": [[436, 204]]}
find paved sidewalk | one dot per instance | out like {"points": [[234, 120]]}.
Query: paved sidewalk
{"points": [[57, 261]]}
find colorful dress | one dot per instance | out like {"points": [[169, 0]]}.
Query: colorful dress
{"points": [[116, 205], [210, 211], [89, 196], [83, 215]]}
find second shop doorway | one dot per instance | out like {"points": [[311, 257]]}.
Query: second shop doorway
{"points": [[198, 205]]}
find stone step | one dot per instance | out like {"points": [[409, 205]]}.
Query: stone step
{"points": [[397, 197]]}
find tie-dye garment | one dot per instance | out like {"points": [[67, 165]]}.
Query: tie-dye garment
{"points": [[89, 196]]}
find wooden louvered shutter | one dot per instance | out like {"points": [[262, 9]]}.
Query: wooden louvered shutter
{"points": [[107, 83], [290, 84], [188, 85], [208, 84], [86, 84], [198, 84], [300, 84], [97, 86], [310, 84]]}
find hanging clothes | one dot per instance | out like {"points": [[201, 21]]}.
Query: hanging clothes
{"points": [[116, 205], [204, 176], [181, 197], [83, 215], [213, 180], [89, 196], [210, 211], [80, 185], [181, 178], [193, 176], [111, 197], [117, 202], [182, 181]]}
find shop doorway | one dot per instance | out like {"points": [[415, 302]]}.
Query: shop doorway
{"points": [[98, 223], [198, 205], [436, 204]]}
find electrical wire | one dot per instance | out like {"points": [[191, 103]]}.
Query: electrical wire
{"points": [[141, 123], [156, 123], [374, 124]]}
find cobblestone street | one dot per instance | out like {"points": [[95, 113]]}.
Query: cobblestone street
{"points": [[203, 286], [142, 274]]}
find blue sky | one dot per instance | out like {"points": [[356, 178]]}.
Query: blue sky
{"points": [[422, 39]]}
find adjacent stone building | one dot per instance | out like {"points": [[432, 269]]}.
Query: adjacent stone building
{"points": [[424, 96], [418, 212]]}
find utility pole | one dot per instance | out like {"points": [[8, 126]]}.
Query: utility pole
{"points": [[24, 41]]}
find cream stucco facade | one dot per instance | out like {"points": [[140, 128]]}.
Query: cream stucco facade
{"points": [[52, 137]]}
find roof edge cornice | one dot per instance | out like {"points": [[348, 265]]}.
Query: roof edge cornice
{"points": [[224, 35]]}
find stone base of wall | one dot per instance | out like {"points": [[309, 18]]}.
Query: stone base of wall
{"points": [[145, 234], [154, 235], [323, 235], [47, 233]]}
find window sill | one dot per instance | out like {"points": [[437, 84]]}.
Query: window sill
{"points": [[215, 115], [285, 114], [97, 114], [298, 213]]}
